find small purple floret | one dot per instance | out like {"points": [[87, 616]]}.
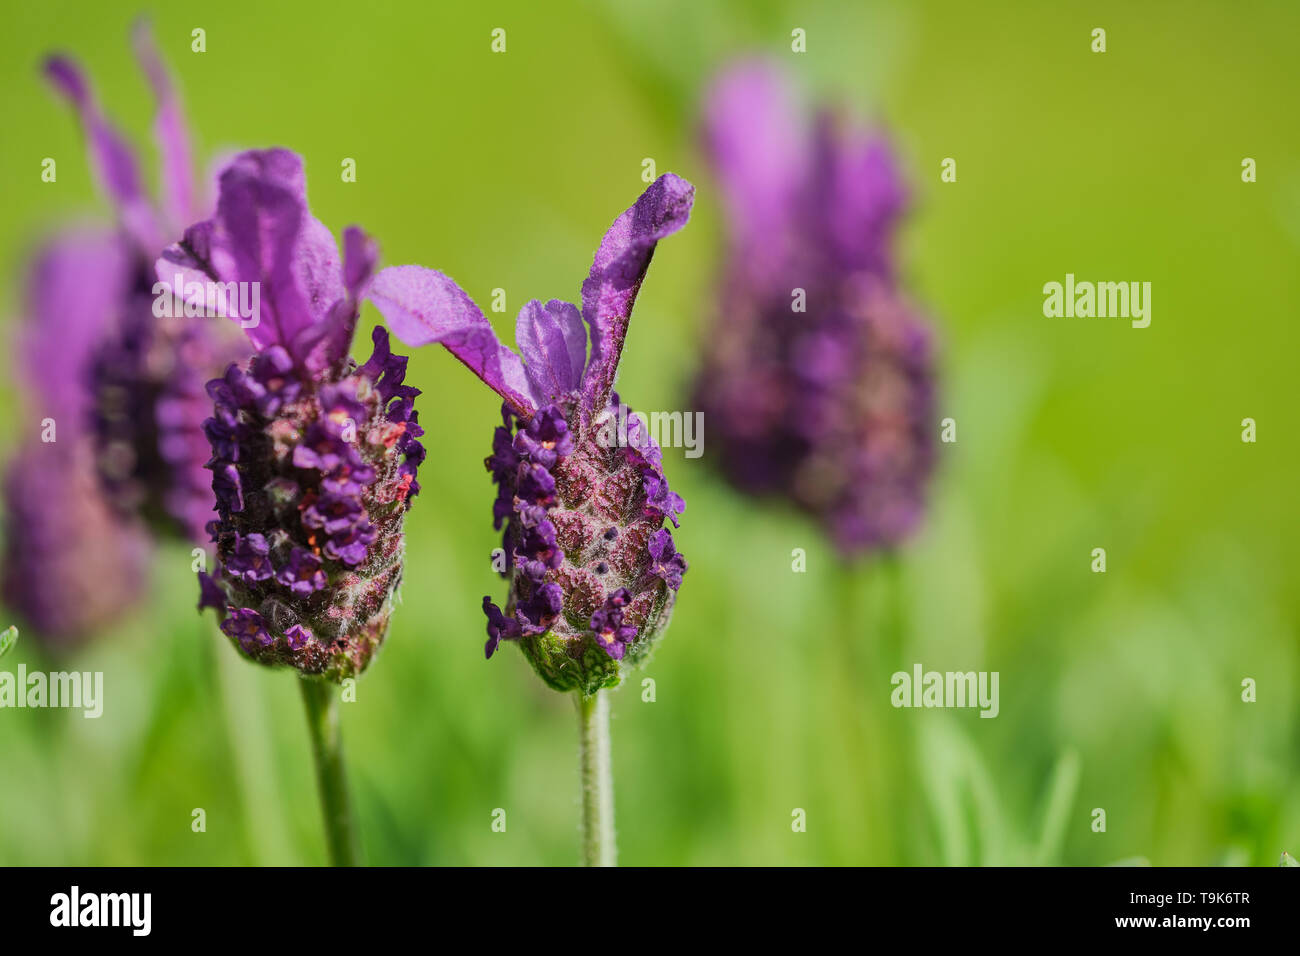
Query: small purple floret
{"points": [[666, 563], [612, 634]]}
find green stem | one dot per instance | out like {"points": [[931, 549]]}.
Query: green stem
{"points": [[322, 704], [598, 847]]}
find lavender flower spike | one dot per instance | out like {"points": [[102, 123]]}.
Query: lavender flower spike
{"points": [[313, 457], [818, 379], [147, 372], [71, 564], [582, 507]]}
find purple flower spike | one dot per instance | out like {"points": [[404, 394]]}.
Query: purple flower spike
{"points": [[578, 503], [818, 379], [71, 563], [146, 370], [313, 457]]}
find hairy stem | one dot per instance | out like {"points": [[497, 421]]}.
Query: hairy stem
{"points": [[598, 847]]}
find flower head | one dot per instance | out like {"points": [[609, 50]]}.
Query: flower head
{"points": [[313, 457], [818, 379], [146, 373], [579, 507], [71, 564]]}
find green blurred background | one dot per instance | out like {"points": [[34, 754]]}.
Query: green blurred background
{"points": [[1119, 690]]}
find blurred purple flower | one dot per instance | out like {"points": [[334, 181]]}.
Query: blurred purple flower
{"points": [[70, 563], [313, 457], [817, 381], [146, 373], [579, 507]]}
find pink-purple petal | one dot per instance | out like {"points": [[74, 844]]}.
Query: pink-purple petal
{"points": [[77, 282], [185, 267], [857, 195], [757, 141], [179, 202], [112, 159], [360, 255], [323, 343], [264, 233], [618, 271], [553, 342], [423, 306]]}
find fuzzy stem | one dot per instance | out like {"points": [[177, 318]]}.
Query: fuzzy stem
{"points": [[322, 704], [598, 847]]}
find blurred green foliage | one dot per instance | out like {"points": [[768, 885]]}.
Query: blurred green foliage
{"points": [[1120, 691]]}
